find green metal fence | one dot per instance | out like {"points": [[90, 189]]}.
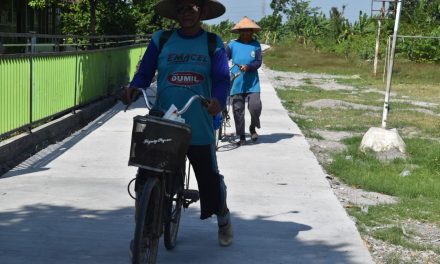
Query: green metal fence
{"points": [[34, 88], [14, 93]]}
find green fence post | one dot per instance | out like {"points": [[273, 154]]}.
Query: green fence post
{"points": [[31, 80], [76, 76]]}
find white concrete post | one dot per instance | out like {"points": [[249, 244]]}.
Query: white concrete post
{"points": [[387, 58], [376, 52], [390, 65]]}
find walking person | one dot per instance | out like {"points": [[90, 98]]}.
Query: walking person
{"points": [[195, 54], [245, 52]]}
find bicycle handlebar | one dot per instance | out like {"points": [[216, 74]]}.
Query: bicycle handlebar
{"points": [[185, 108], [234, 76], [144, 93], [205, 103]]}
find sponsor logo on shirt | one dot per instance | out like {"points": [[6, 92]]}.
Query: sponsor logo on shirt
{"points": [[253, 54], [185, 78], [187, 58]]}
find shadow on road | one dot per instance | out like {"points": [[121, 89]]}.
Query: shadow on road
{"points": [[229, 142], [42, 233], [274, 138]]}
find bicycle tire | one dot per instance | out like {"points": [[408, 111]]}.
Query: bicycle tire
{"points": [[224, 125], [172, 221], [221, 131], [148, 224], [218, 135]]}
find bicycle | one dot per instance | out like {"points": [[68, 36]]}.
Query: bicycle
{"points": [[158, 148], [224, 117]]}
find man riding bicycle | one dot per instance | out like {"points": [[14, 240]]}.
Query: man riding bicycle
{"points": [[186, 67]]}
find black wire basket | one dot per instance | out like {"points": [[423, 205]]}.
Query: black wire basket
{"points": [[159, 144]]}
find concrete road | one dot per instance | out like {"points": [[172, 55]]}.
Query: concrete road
{"points": [[69, 204]]}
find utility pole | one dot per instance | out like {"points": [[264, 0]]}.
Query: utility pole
{"points": [[379, 28], [377, 49], [381, 139], [386, 106]]}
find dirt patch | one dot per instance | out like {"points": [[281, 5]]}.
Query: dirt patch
{"points": [[330, 103], [323, 149], [410, 131], [280, 80], [335, 135], [389, 155], [422, 110], [379, 91], [417, 103], [384, 253], [331, 84], [422, 233], [349, 196]]}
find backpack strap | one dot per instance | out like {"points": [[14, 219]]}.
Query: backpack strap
{"points": [[212, 43], [164, 38]]}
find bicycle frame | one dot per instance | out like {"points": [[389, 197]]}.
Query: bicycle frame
{"points": [[225, 118], [166, 189]]}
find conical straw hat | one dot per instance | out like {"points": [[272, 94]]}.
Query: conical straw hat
{"points": [[246, 23], [167, 8]]}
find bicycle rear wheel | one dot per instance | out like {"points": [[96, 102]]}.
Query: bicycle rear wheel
{"points": [[148, 224], [224, 125], [218, 135], [172, 221], [221, 131]]}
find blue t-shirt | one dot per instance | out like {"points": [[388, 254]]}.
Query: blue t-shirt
{"points": [[245, 54], [184, 69]]}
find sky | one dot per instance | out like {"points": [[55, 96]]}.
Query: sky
{"points": [[256, 9]]}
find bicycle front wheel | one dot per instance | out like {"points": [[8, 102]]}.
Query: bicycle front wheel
{"points": [[148, 224], [172, 221]]}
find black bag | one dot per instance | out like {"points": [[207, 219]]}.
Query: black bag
{"points": [[159, 144]]}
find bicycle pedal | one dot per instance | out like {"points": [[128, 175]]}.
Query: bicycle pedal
{"points": [[192, 195]]}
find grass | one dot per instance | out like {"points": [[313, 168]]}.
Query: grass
{"points": [[421, 84], [299, 58], [419, 193], [334, 119], [372, 174]]}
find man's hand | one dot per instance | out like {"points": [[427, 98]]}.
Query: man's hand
{"points": [[214, 107], [244, 68], [127, 95]]}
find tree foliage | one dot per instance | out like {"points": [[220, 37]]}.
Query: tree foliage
{"points": [[106, 17], [290, 20], [223, 29], [146, 21], [335, 33]]}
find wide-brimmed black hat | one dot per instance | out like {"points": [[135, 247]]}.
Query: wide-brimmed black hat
{"points": [[167, 8]]}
